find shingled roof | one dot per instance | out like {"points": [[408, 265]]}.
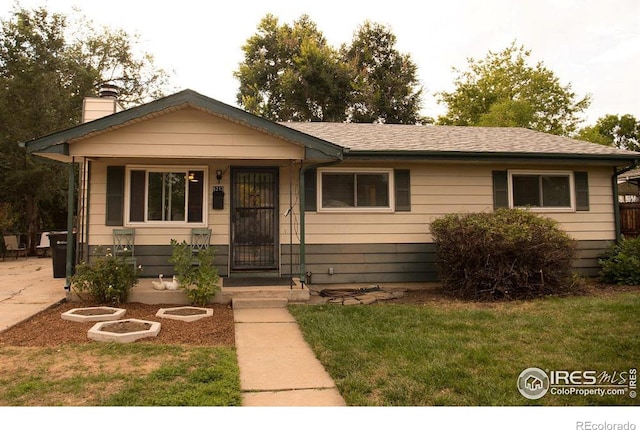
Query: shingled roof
{"points": [[360, 139]]}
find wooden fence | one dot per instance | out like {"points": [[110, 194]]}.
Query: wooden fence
{"points": [[630, 219]]}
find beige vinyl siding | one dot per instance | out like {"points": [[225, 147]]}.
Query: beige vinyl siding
{"points": [[100, 234], [187, 133], [439, 189], [95, 107]]}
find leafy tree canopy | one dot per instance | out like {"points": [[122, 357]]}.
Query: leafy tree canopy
{"points": [[386, 86], [613, 130], [47, 67], [291, 73], [503, 90]]}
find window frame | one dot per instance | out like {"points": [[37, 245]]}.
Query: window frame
{"points": [[540, 173], [166, 169], [355, 171]]}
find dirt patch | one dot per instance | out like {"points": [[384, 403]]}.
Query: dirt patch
{"points": [[93, 312], [125, 327], [49, 329], [185, 312]]}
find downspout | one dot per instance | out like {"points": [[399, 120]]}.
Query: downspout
{"points": [[616, 203], [303, 170], [70, 240]]}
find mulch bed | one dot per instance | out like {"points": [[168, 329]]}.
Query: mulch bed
{"points": [[48, 329]]}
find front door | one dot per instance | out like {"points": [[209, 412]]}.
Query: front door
{"points": [[254, 218]]}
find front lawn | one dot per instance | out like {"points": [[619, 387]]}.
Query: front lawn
{"points": [[113, 374], [471, 353]]}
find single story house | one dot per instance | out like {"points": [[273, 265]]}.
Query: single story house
{"points": [[326, 202]]}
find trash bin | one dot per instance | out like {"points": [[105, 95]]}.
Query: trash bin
{"points": [[58, 243]]}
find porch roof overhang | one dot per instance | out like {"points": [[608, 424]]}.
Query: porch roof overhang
{"points": [[56, 145]]}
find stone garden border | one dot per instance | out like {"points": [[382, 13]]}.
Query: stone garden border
{"points": [[110, 314], [97, 333]]}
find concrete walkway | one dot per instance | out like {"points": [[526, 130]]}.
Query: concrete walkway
{"points": [[27, 287], [277, 366]]}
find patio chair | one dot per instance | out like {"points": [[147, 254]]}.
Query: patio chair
{"points": [[124, 244], [12, 245], [200, 238], [44, 246]]}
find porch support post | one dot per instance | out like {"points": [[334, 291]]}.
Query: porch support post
{"points": [[303, 269], [70, 241]]}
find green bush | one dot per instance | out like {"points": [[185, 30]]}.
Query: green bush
{"points": [[620, 263], [508, 253], [107, 279], [197, 275]]}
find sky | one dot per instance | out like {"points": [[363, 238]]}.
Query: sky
{"points": [[592, 45]]}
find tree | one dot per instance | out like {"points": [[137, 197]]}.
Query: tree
{"points": [[386, 88], [613, 130], [503, 90], [44, 76], [290, 73]]}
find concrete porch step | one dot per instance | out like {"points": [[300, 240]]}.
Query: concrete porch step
{"points": [[258, 303]]}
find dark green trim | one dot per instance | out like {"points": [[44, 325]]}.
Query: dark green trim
{"points": [[365, 263], [154, 259], [315, 148], [486, 156], [71, 243]]}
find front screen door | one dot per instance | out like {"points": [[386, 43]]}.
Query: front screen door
{"points": [[254, 219]]}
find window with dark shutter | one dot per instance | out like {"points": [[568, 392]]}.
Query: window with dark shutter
{"points": [[115, 195]]}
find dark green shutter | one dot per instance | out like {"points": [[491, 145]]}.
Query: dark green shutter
{"points": [[500, 189], [310, 198], [136, 195], [581, 180], [402, 180], [115, 195]]}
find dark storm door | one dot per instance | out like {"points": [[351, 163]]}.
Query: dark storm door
{"points": [[254, 219]]}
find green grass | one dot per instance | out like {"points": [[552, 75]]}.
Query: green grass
{"points": [[104, 374], [470, 354]]}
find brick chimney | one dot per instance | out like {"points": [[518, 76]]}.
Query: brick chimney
{"points": [[104, 105]]}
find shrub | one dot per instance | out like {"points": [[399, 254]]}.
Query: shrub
{"points": [[620, 263], [509, 253], [107, 279], [197, 275]]}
